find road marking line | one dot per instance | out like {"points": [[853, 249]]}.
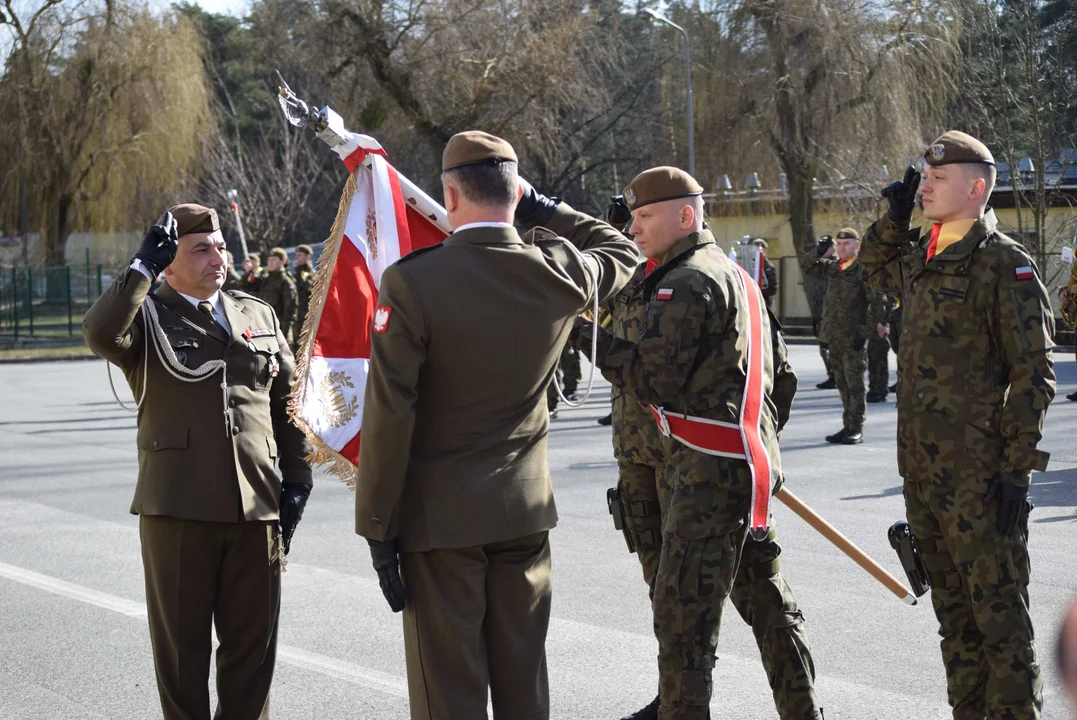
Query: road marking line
{"points": [[339, 669]]}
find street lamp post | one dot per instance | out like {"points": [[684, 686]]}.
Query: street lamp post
{"points": [[688, 77]]}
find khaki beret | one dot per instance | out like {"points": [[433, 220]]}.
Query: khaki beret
{"points": [[305, 248], [760, 242], [658, 184], [848, 234], [191, 218], [957, 147], [475, 147], [279, 253]]}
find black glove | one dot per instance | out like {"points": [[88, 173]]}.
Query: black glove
{"points": [[617, 212], [385, 556], [902, 196], [534, 208], [858, 342], [1011, 501], [583, 331], [159, 245], [293, 498], [825, 243]]}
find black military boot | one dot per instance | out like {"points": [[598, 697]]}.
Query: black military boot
{"points": [[606, 420], [837, 437], [893, 388], [648, 713], [1072, 397], [853, 438], [873, 397], [827, 384]]}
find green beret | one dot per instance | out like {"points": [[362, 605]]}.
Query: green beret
{"points": [[957, 147], [658, 184], [475, 147], [191, 218]]}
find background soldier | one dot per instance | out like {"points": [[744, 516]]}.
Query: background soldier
{"points": [[691, 356], [250, 281], [208, 494], [853, 312], [770, 275], [896, 316], [817, 301], [278, 290], [879, 354], [977, 377], [453, 486], [304, 283], [231, 277]]}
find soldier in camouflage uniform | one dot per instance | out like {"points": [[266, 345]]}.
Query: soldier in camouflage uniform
{"points": [[976, 379], [278, 289], [817, 303], [304, 283], [896, 316], [879, 354], [691, 358], [250, 281], [852, 313], [231, 277]]}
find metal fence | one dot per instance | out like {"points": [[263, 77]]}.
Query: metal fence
{"points": [[47, 302]]}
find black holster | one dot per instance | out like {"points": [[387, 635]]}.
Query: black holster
{"points": [[617, 510], [908, 552]]}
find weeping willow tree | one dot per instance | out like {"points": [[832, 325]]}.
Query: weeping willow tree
{"points": [[107, 106]]}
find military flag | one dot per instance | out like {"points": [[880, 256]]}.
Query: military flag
{"points": [[382, 217]]}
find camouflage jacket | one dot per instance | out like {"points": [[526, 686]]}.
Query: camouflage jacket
{"points": [[691, 356], [850, 307], [304, 282], [975, 353], [636, 439], [278, 289], [251, 282], [231, 279]]}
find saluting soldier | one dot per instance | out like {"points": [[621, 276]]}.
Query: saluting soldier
{"points": [[709, 364], [853, 313], [278, 290], [250, 281], [208, 495], [304, 282], [976, 379], [454, 483]]}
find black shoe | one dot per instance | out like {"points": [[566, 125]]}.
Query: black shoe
{"points": [[1072, 397], [553, 414], [827, 384], [876, 397], [853, 438], [572, 397], [607, 420], [837, 437], [648, 713], [893, 388]]}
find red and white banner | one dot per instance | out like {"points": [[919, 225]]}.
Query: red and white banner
{"points": [[382, 217]]}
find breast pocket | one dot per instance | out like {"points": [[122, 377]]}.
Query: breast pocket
{"points": [[266, 364]]}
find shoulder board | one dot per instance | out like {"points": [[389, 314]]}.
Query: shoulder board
{"points": [[416, 253], [240, 295]]}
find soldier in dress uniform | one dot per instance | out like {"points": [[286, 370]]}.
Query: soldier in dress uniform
{"points": [[216, 518], [706, 348], [976, 379], [453, 489]]}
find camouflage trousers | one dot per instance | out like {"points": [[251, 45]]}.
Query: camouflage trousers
{"points": [[879, 365], [706, 557], [824, 353], [570, 369], [849, 366], [979, 588], [645, 500]]}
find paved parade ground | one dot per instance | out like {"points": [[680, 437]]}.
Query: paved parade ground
{"points": [[74, 642]]}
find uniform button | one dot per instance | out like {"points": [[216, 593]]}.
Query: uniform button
{"points": [[905, 331], [156, 443], [375, 521], [235, 431], [920, 395]]}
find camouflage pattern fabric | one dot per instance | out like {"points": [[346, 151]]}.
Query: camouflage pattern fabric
{"points": [[849, 366], [824, 353], [251, 282], [879, 352], [304, 283], [570, 368], [278, 290], [690, 358], [977, 377]]}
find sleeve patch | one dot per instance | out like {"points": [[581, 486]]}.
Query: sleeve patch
{"points": [[381, 318], [1023, 273], [664, 294]]}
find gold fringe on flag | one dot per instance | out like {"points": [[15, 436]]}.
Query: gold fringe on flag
{"points": [[323, 454]]}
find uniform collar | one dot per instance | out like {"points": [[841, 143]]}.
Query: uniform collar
{"points": [[686, 244], [963, 248], [484, 234], [214, 301]]}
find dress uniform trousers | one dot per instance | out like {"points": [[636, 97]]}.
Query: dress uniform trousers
{"points": [[979, 588], [205, 574], [706, 557], [477, 617]]}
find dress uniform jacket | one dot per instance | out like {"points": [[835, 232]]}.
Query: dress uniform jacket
{"points": [[455, 421], [198, 459]]}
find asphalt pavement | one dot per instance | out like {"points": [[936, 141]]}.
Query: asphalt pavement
{"points": [[74, 641]]}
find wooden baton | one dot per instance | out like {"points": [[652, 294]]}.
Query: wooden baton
{"points": [[846, 545]]}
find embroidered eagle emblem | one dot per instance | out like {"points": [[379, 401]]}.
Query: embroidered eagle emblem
{"points": [[381, 318]]}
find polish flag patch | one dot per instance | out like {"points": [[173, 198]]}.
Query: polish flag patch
{"points": [[381, 318], [664, 294], [1023, 273]]}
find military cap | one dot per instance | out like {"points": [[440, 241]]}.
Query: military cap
{"points": [[847, 234], [279, 253], [191, 218], [760, 243], [475, 147], [305, 248], [957, 147], [658, 184]]}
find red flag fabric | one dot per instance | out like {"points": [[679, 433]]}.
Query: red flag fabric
{"points": [[378, 222]]}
